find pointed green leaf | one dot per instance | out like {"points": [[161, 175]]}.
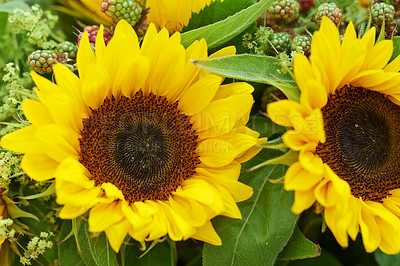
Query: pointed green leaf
{"points": [[215, 12], [11, 6], [253, 68], [67, 250], [396, 46], [15, 212], [267, 222], [222, 31], [49, 191], [299, 247], [102, 251]]}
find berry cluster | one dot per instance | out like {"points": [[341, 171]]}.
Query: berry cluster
{"points": [[67, 47], [42, 61], [382, 12], [284, 11], [331, 10], [129, 10], [92, 31], [302, 43]]}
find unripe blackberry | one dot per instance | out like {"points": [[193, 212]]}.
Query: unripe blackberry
{"points": [[284, 11], [331, 10], [42, 61], [67, 47], [302, 43], [281, 41], [382, 12], [130, 10], [92, 31]]}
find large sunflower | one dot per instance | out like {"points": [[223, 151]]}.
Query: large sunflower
{"points": [[144, 139], [346, 130]]}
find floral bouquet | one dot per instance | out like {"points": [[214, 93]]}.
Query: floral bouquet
{"points": [[205, 132]]}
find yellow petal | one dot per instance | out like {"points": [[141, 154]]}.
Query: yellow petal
{"points": [[117, 233], [22, 141], [380, 54], [36, 112], [311, 162], [216, 152], [370, 231], [85, 55], [297, 178], [95, 86], [58, 142], [302, 200], [314, 94], [39, 166], [71, 212], [282, 112], [229, 50], [302, 71], [103, 216], [135, 77], [207, 234], [112, 191], [72, 171], [194, 99]]}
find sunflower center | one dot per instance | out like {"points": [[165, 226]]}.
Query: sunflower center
{"points": [[362, 133], [143, 145]]}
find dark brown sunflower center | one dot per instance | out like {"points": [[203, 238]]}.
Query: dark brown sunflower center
{"points": [[362, 130], [143, 145]]}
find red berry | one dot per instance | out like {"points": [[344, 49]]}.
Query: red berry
{"points": [[92, 31]]}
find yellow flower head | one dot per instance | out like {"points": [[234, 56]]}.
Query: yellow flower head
{"points": [[144, 139], [346, 130]]}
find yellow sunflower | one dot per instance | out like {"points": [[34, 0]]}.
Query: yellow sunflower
{"points": [[143, 138], [346, 131]]}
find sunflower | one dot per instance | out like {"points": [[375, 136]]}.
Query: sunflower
{"points": [[346, 131], [144, 139]]}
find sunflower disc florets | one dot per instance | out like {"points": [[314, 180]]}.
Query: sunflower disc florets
{"points": [[121, 9], [42, 61], [67, 47], [92, 31], [382, 12], [302, 43], [281, 42], [331, 10], [284, 11]]}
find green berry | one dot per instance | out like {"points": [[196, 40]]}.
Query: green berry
{"points": [[42, 61], [302, 43], [129, 10], [281, 42], [382, 12], [69, 48], [331, 10], [284, 11]]}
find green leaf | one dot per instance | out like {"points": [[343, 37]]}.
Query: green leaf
{"points": [[102, 251], [162, 254], [267, 221], [215, 12], [67, 250], [91, 250], [222, 31], [299, 247], [11, 6], [396, 46], [253, 68], [386, 260], [3, 23], [49, 191]]}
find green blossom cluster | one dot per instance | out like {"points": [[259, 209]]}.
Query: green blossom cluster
{"points": [[36, 246], [36, 24]]}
